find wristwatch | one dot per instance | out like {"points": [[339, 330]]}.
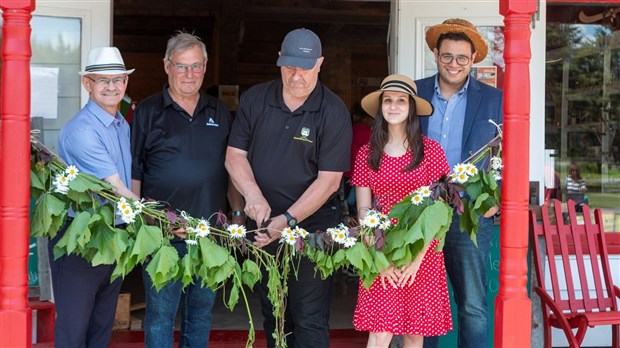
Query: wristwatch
{"points": [[238, 213], [291, 221]]}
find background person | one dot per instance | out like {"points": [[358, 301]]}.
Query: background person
{"points": [[460, 124], [411, 300], [96, 141], [576, 186], [178, 142], [290, 144]]}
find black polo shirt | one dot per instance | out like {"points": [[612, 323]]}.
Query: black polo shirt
{"points": [[286, 150], [178, 158]]}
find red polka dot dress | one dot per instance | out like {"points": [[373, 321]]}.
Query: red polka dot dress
{"points": [[422, 308]]}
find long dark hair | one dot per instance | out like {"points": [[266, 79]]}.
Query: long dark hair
{"points": [[379, 137]]}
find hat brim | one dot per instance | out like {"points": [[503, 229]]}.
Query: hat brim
{"points": [[370, 104], [106, 72], [480, 46], [304, 63]]}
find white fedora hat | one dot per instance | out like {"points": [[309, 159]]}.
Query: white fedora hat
{"points": [[105, 60]]}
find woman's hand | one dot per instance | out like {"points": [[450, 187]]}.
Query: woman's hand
{"points": [[390, 274], [408, 272]]}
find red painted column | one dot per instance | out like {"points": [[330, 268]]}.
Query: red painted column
{"points": [[512, 305], [15, 316]]}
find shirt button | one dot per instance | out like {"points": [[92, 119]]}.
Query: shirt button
{"points": [[444, 135], [286, 127]]}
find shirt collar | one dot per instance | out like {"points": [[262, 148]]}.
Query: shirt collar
{"points": [[168, 101], [461, 91], [312, 104], [103, 116]]}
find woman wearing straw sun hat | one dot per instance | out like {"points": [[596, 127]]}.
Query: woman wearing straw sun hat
{"points": [[411, 300], [463, 108]]}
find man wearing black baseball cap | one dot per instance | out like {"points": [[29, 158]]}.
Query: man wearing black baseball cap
{"points": [[289, 145]]}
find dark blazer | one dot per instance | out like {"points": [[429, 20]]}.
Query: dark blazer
{"points": [[483, 103]]}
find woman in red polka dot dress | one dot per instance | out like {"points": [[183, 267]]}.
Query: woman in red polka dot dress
{"points": [[411, 300]]}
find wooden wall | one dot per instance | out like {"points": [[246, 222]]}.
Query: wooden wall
{"points": [[243, 39]]}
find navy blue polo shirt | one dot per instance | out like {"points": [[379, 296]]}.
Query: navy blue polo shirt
{"points": [[286, 150], [180, 159]]}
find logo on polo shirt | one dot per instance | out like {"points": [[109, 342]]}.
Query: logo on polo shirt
{"points": [[212, 123], [305, 132]]}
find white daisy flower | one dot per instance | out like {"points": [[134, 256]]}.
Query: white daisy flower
{"points": [[138, 206], [191, 241], [385, 224], [203, 229], [497, 176], [370, 220], [300, 232], [472, 170], [458, 168], [236, 231], [496, 163], [128, 215], [341, 236], [461, 178], [416, 199], [71, 172], [60, 188], [289, 239], [424, 191], [349, 242]]}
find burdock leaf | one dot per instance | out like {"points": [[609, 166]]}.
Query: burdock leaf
{"points": [[46, 209], [77, 235]]}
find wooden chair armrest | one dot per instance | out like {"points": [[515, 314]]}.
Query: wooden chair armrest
{"points": [[547, 300]]}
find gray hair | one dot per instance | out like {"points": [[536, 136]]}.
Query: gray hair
{"points": [[181, 42]]}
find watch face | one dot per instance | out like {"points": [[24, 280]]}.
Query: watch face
{"points": [[292, 222]]}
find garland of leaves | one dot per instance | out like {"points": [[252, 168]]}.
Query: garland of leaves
{"points": [[217, 255]]}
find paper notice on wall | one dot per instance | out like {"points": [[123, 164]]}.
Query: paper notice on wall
{"points": [[486, 74], [44, 92]]}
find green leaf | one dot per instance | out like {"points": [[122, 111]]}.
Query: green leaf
{"points": [[85, 182], [380, 261], [187, 270], [233, 299], [109, 242], [107, 214], [250, 273], [217, 275], [123, 265], [37, 187], [164, 266], [148, 239], [213, 255], [480, 199], [47, 208], [76, 236]]}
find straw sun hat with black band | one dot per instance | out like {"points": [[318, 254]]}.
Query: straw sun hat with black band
{"points": [[457, 25], [396, 83]]}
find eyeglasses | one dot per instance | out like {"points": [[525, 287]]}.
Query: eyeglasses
{"points": [[104, 82], [183, 68], [447, 58]]}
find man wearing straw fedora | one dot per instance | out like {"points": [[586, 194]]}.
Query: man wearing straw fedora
{"points": [[96, 141], [463, 107]]}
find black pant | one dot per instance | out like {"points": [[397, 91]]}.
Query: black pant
{"points": [[306, 321], [85, 300]]}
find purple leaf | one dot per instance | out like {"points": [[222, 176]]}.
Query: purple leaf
{"points": [[221, 219], [353, 232], [299, 244], [380, 238], [171, 216]]}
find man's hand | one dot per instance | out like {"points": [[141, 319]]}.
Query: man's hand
{"points": [[257, 208], [492, 211], [179, 232], [273, 232]]}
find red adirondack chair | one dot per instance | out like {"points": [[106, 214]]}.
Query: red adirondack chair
{"points": [[587, 302]]}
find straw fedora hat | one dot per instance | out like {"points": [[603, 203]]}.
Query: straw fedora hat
{"points": [[457, 25], [105, 61], [396, 83]]}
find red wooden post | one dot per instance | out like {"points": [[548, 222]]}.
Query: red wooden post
{"points": [[15, 316], [512, 305]]}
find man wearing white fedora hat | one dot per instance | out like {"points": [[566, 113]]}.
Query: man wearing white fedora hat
{"points": [[96, 141], [463, 107]]}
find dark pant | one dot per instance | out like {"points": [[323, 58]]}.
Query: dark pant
{"points": [[85, 300], [161, 309], [309, 297], [466, 266]]}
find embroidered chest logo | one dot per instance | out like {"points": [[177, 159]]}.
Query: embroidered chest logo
{"points": [[211, 123], [305, 132]]}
